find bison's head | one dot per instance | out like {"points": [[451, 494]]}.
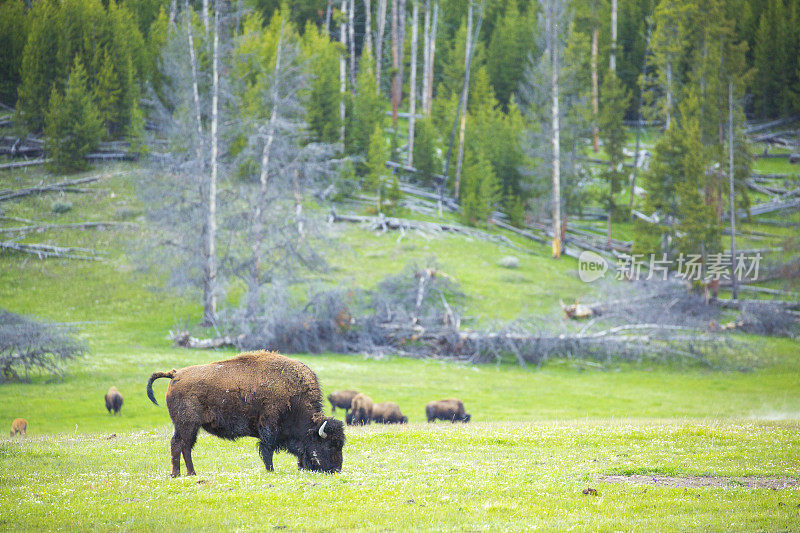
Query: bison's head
{"points": [[404, 420], [466, 418], [322, 448]]}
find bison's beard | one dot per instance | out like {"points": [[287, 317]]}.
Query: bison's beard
{"points": [[320, 460]]}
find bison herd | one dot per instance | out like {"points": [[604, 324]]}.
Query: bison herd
{"points": [[359, 409], [270, 397]]}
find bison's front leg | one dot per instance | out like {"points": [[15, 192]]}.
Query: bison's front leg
{"points": [[267, 446]]}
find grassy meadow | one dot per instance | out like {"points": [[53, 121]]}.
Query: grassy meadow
{"points": [[539, 436]]}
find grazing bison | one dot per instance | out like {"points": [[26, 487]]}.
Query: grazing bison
{"points": [[19, 427], [341, 399], [256, 394], [450, 409], [388, 413], [360, 410], [113, 400]]}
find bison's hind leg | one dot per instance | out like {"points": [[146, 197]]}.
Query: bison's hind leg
{"points": [[175, 449], [182, 443]]}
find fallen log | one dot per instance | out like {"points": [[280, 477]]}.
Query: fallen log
{"points": [[738, 303], [43, 251], [38, 228], [21, 164], [60, 186], [766, 125], [184, 340], [384, 223]]}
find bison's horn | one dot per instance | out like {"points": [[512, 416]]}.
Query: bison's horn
{"points": [[322, 430]]}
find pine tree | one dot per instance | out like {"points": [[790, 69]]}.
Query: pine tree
{"points": [[481, 191], [73, 127], [772, 62], [508, 51], [323, 92], [426, 159], [367, 109], [40, 69], [378, 176], [107, 95], [614, 100], [13, 35]]}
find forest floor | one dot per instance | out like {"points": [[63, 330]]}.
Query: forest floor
{"points": [[540, 437]]}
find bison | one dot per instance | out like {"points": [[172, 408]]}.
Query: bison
{"points": [[450, 409], [388, 413], [19, 427], [341, 399], [256, 394], [113, 400], [360, 410]]}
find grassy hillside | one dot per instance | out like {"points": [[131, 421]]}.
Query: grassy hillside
{"points": [[540, 435]]}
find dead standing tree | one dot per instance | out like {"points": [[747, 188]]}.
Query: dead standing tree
{"points": [[462, 105]]}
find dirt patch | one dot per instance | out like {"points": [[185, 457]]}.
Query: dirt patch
{"points": [[752, 482]]}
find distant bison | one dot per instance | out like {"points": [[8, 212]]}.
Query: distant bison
{"points": [[256, 394], [450, 409], [341, 399], [113, 400], [19, 427], [388, 413], [360, 410]]}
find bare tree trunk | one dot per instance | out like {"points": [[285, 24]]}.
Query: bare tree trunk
{"points": [[368, 28], [669, 95], [556, 142], [195, 91], [463, 104], [173, 11], [639, 127], [342, 74], [205, 17], [395, 64], [328, 17], [595, 91], [379, 42], [210, 274], [462, 100], [412, 89], [426, 44], [612, 60], [255, 265], [734, 284], [432, 53], [351, 36]]}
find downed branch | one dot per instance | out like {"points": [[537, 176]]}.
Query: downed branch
{"points": [[43, 251], [22, 164], [38, 228], [66, 186], [184, 340], [383, 223]]}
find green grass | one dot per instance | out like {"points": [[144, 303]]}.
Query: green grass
{"points": [[539, 437], [486, 476]]}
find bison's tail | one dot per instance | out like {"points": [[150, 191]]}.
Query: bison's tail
{"points": [[155, 376]]}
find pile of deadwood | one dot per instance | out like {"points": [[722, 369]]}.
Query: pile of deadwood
{"points": [[418, 313]]}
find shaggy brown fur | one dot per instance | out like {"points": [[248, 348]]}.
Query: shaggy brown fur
{"points": [[451, 409], [388, 413], [19, 427], [113, 400], [361, 410], [341, 399], [257, 394]]}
